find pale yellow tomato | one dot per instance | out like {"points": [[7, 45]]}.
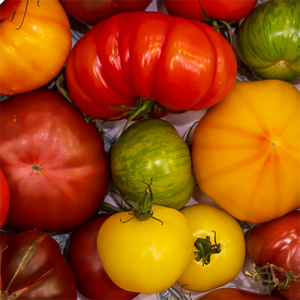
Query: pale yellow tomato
{"points": [[33, 50]]}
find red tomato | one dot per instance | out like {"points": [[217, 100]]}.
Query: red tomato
{"points": [[238, 294], [181, 64], [54, 162], [229, 10], [32, 267], [7, 8], [278, 242], [4, 198], [92, 12], [82, 255]]}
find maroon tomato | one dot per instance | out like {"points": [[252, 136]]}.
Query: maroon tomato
{"points": [[4, 198], [32, 267], [82, 255], [7, 8], [91, 12], [180, 64], [54, 162], [236, 294], [228, 10], [276, 244]]}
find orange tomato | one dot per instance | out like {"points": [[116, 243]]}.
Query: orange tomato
{"points": [[33, 50], [246, 153]]}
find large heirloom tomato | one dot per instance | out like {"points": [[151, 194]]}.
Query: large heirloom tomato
{"points": [[54, 162], [33, 50], [268, 40], [219, 251], [91, 12], [232, 10], [82, 255], [152, 150], [145, 256], [32, 267], [181, 64], [276, 244], [4, 198], [245, 151], [8, 7]]}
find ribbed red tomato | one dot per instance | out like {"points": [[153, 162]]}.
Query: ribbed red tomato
{"points": [[4, 198]]}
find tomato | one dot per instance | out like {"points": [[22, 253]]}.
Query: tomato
{"points": [[40, 46], [246, 152], [91, 12], [225, 234], [277, 242], [153, 149], [234, 293], [32, 267], [4, 198], [153, 56], [8, 7], [82, 255], [232, 10], [268, 40], [145, 256], [54, 162]]}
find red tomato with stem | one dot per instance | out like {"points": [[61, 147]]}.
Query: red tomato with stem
{"points": [[7, 8], [4, 198]]}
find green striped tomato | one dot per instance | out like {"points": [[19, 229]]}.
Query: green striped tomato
{"points": [[269, 38], [153, 149]]}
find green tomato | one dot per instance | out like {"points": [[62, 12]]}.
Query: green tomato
{"points": [[153, 150], [269, 38]]}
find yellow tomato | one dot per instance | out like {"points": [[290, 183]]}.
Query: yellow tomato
{"points": [[33, 52], [245, 151], [223, 230], [145, 256]]}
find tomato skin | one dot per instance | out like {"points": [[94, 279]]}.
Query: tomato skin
{"points": [[45, 273], [8, 7], [92, 12], [236, 294], [41, 46], [278, 242], [224, 266], [246, 151], [145, 256], [82, 256], [4, 198], [232, 10], [43, 155], [153, 56]]}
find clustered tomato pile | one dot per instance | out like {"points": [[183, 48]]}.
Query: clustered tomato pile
{"points": [[135, 226]]}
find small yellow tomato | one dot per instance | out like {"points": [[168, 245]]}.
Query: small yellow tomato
{"points": [[145, 256], [34, 46], [226, 238]]}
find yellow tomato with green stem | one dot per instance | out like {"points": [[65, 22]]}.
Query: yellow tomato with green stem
{"points": [[34, 47], [219, 248]]}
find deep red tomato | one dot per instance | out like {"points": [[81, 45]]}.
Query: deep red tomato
{"points": [[278, 242], [32, 267], [4, 198], [91, 12], [232, 10], [53, 160], [82, 255], [236, 294], [7, 8], [179, 63]]}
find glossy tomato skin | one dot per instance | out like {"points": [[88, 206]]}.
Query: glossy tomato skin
{"points": [[91, 12], [236, 294], [54, 162], [224, 266], [153, 149], [8, 7], [41, 46], [153, 56], [36, 259], [246, 151], [278, 242], [154, 253], [82, 256], [232, 10], [4, 198]]}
